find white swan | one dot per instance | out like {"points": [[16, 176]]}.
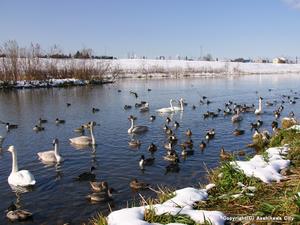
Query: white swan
{"points": [[51, 156], [136, 129], [167, 110], [85, 140], [259, 110], [19, 178], [176, 108]]}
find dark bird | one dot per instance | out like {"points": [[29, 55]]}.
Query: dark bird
{"points": [[87, 176]]}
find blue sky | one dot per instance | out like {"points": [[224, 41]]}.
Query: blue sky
{"points": [[224, 28]]}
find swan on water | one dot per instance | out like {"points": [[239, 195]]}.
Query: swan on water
{"points": [[259, 110], [168, 109], [136, 129], [19, 178], [51, 156], [85, 140], [181, 108]]}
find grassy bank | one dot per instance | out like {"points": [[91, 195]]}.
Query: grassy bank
{"points": [[243, 199]]}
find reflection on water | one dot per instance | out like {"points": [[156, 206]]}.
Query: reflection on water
{"points": [[57, 196]]}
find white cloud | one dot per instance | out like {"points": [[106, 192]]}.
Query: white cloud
{"points": [[293, 3]]}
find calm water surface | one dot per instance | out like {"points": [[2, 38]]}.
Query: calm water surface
{"points": [[58, 199]]}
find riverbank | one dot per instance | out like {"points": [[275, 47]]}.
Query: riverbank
{"points": [[34, 72], [240, 192]]}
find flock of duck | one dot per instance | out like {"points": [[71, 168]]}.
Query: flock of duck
{"points": [[101, 190]]}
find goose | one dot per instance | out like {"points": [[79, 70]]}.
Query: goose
{"points": [[51, 156], [149, 89], [259, 110], [210, 134], [225, 155], [237, 117], [58, 121], [87, 176], [186, 152], [152, 118], [152, 148], [169, 131], [85, 140], [167, 110], [134, 143], [21, 178], [168, 120], [103, 196], [38, 128], [136, 129], [135, 184], [275, 126], [202, 145], [42, 121], [145, 108], [127, 107], [14, 214], [145, 162], [68, 104], [181, 108], [99, 186]]}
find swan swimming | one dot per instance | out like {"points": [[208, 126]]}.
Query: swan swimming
{"points": [[85, 140], [168, 109], [136, 129], [19, 178], [51, 156], [181, 108], [259, 110], [237, 117]]}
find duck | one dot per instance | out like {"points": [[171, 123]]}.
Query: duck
{"points": [[102, 196], [238, 132], [134, 143], [14, 214], [202, 145], [136, 129], [146, 162], [10, 126], [171, 156], [193, 107], [59, 121], [135, 184], [38, 128], [21, 178], [173, 167], [1, 141], [42, 121], [85, 140], [51, 156], [173, 139], [169, 131], [94, 110], [210, 134], [152, 118], [134, 93], [225, 155], [68, 104], [259, 110], [168, 120], [145, 107], [99, 186], [87, 176], [186, 152], [79, 129], [176, 124], [168, 146], [188, 133], [149, 89], [187, 144], [127, 107], [275, 126], [152, 148]]}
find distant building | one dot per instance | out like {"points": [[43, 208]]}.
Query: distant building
{"points": [[279, 60]]}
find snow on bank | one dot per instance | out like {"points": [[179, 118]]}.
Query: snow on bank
{"points": [[182, 204], [266, 171], [48, 83]]}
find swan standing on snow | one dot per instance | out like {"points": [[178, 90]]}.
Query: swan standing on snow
{"points": [[176, 108], [136, 129], [19, 178], [259, 110], [167, 110], [51, 156], [85, 140]]}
